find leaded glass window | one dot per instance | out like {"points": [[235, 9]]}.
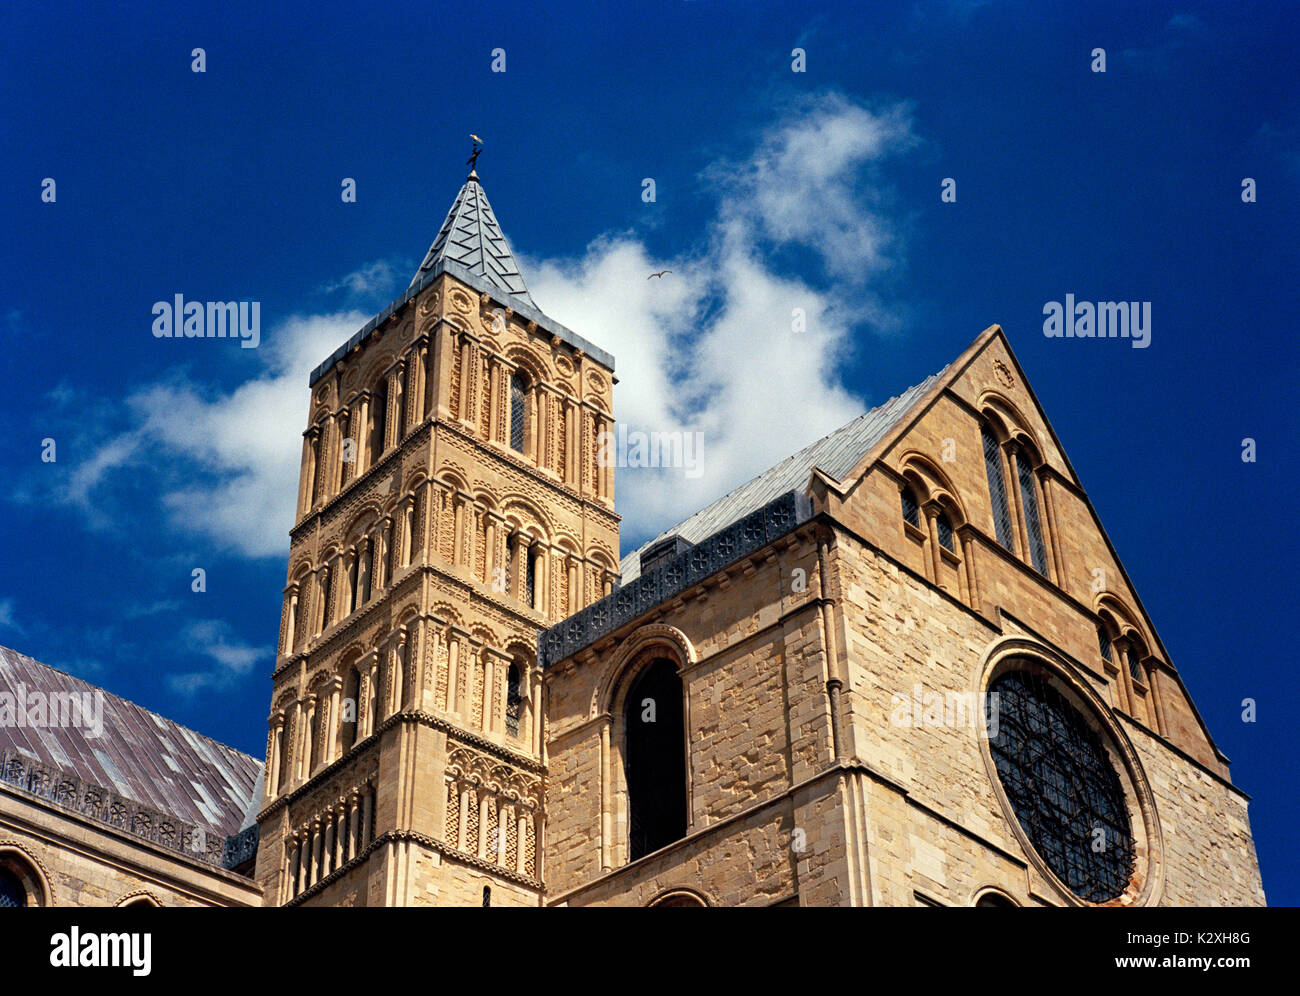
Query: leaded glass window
{"points": [[1059, 779], [997, 488], [518, 403], [12, 892], [944, 525], [514, 700], [1135, 665], [1103, 643], [910, 512], [1029, 498]]}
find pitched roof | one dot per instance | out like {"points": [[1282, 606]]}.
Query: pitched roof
{"points": [[472, 237], [141, 756], [836, 454]]}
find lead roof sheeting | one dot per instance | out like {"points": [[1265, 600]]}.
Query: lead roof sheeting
{"points": [[836, 454], [142, 756]]}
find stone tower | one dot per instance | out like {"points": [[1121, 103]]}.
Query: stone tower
{"points": [[450, 507]]}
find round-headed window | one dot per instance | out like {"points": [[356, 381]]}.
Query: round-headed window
{"points": [[1059, 779], [12, 892]]}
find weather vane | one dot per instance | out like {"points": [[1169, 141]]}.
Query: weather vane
{"points": [[472, 161]]}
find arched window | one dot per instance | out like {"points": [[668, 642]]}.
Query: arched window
{"points": [[654, 759], [378, 420], [327, 591], [1135, 662], [12, 891], [1103, 644], [351, 691], [994, 899], [1033, 527], [518, 410], [514, 699], [487, 895], [911, 510], [997, 487], [944, 526]]}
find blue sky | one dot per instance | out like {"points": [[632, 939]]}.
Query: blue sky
{"points": [[821, 188]]}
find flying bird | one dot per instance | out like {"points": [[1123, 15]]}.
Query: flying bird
{"points": [[476, 138], [659, 274]]}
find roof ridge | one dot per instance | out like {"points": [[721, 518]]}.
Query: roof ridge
{"points": [[630, 565]]}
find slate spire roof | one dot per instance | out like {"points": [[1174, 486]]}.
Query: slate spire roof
{"points": [[472, 237]]}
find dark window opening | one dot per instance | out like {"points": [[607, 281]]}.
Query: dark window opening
{"points": [[518, 403], [1029, 496], [530, 577], [351, 691], [1135, 665], [1103, 644], [654, 762], [911, 513], [487, 895], [12, 893], [514, 700], [944, 525], [997, 488], [378, 420]]}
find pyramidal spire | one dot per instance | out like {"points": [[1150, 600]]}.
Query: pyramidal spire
{"points": [[472, 239]]}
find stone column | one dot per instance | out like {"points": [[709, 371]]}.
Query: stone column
{"points": [[484, 804], [968, 558], [489, 547], [1017, 505], [489, 693], [361, 454], [571, 446], [536, 719], [308, 738], [273, 762], [453, 671], [463, 830], [335, 741], [289, 629], [932, 527], [395, 424], [354, 824]]}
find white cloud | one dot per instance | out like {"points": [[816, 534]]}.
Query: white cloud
{"points": [[227, 464], [7, 619], [710, 348], [215, 639], [707, 348]]}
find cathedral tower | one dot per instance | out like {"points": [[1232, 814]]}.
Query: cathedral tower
{"points": [[450, 507]]}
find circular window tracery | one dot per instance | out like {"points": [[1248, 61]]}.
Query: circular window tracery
{"points": [[1062, 786]]}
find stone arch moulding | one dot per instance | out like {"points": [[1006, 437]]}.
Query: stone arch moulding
{"points": [[680, 897], [988, 889], [641, 639], [140, 897], [1149, 859], [916, 468], [31, 872]]}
